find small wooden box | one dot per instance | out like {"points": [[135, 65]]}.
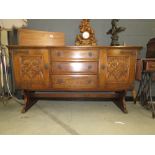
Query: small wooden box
{"points": [[149, 65], [40, 38]]}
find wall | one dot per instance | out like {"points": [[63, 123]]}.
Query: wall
{"points": [[138, 31]]}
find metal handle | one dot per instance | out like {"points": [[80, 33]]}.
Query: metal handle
{"points": [[90, 54], [103, 66], [46, 66], [89, 67], [89, 81], [58, 53], [60, 81], [59, 66]]}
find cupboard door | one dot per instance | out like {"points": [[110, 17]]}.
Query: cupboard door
{"points": [[31, 69], [117, 69]]}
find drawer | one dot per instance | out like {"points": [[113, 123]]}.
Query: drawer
{"points": [[149, 65], [74, 67], [74, 82], [73, 55]]}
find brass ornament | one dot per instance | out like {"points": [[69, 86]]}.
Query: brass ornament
{"points": [[87, 34]]}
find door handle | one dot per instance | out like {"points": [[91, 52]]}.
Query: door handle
{"points": [[103, 66], [46, 66]]}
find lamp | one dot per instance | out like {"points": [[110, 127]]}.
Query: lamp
{"points": [[7, 25]]}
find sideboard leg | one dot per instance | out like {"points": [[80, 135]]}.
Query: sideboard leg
{"points": [[28, 101], [120, 101], [134, 93]]}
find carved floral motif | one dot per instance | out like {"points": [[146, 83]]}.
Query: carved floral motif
{"points": [[30, 68], [118, 68]]}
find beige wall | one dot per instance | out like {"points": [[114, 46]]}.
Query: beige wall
{"points": [[4, 37]]}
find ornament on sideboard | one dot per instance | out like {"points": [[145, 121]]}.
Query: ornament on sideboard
{"points": [[87, 34], [114, 31]]}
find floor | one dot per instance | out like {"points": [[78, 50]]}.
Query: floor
{"points": [[75, 118]]}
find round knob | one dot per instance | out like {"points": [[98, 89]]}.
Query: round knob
{"points": [[59, 81], [90, 54], [89, 67], [103, 66], [46, 66], [58, 53], [89, 81], [59, 66]]}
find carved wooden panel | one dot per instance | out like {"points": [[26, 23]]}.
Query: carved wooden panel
{"points": [[74, 81], [118, 69], [31, 68]]}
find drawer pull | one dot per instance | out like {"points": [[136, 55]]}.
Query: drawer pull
{"points": [[46, 66], [60, 81], [59, 66], [90, 54], [89, 67], [103, 67], [89, 81], [59, 54]]}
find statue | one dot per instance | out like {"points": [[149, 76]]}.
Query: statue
{"points": [[114, 32]]}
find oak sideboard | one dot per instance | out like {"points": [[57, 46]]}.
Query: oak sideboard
{"points": [[74, 72]]}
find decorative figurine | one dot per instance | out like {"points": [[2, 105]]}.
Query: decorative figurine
{"points": [[114, 32], [87, 36]]}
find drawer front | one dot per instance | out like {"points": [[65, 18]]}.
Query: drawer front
{"points": [[73, 55], [74, 82], [150, 66], [74, 67]]}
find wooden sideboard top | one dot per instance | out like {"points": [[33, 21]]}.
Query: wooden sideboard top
{"points": [[76, 47]]}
